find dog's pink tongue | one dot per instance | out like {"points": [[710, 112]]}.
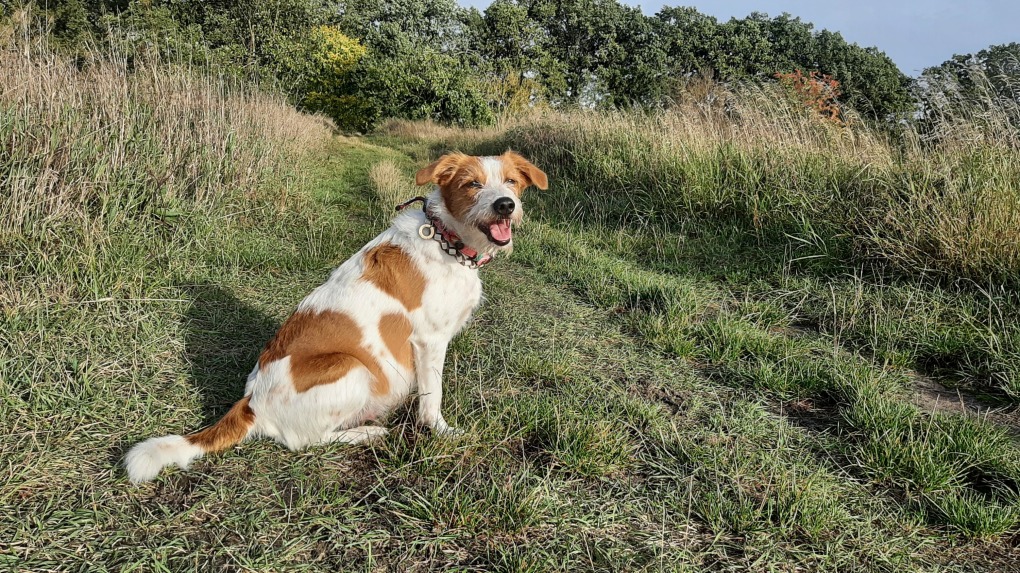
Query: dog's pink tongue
{"points": [[500, 230]]}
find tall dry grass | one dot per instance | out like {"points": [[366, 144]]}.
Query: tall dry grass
{"points": [[391, 184], [954, 198], [91, 145], [751, 156]]}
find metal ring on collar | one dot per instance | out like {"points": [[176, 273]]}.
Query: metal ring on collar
{"points": [[426, 231]]}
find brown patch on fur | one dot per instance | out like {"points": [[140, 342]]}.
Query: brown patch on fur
{"points": [[323, 348], [520, 169], [390, 269], [231, 429], [458, 194], [454, 174], [442, 170], [395, 331]]}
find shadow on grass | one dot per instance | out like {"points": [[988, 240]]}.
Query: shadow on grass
{"points": [[223, 340]]}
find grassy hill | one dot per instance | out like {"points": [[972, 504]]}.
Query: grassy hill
{"points": [[731, 342]]}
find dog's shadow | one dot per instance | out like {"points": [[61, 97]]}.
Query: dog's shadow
{"points": [[223, 339]]}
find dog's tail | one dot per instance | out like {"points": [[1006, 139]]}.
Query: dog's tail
{"points": [[145, 460]]}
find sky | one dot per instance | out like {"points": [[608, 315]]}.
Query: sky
{"points": [[916, 34]]}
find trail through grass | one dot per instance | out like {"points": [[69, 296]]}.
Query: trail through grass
{"points": [[621, 414]]}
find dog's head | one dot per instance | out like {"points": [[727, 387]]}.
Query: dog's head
{"points": [[481, 196]]}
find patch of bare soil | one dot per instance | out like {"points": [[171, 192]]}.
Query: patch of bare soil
{"points": [[931, 396]]}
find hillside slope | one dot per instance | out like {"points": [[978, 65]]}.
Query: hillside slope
{"points": [[599, 436]]}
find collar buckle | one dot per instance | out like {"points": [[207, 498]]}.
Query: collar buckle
{"points": [[448, 240]]}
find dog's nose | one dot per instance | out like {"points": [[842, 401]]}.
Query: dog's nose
{"points": [[504, 206]]}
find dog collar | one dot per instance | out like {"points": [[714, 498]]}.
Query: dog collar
{"points": [[449, 241]]}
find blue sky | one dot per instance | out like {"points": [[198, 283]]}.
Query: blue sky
{"points": [[915, 33]]}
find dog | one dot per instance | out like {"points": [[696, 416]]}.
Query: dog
{"points": [[378, 329]]}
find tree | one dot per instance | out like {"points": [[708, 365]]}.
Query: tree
{"points": [[635, 71], [418, 64], [983, 89], [582, 37], [688, 39], [422, 84], [871, 82], [745, 48], [391, 28], [793, 43], [432, 58], [513, 57], [331, 58], [997, 67]]}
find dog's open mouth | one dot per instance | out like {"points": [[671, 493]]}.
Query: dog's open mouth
{"points": [[498, 232]]}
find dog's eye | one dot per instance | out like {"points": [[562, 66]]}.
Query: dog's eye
{"points": [[475, 185], [510, 182]]}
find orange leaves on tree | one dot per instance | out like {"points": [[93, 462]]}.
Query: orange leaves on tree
{"points": [[817, 91]]}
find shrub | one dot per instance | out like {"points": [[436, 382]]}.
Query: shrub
{"points": [[332, 58], [817, 91]]}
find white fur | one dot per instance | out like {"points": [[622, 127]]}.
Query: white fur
{"points": [[451, 293], [145, 460]]}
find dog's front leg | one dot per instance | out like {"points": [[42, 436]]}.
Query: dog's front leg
{"points": [[429, 359]]}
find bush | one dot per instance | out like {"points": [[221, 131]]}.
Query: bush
{"points": [[332, 58], [423, 84]]}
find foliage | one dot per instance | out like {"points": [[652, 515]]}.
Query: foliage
{"points": [[515, 65], [393, 28], [594, 53], [415, 68], [998, 65], [981, 90], [332, 59], [421, 84], [818, 92]]}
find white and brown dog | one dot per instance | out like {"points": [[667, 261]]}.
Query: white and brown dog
{"points": [[358, 345]]}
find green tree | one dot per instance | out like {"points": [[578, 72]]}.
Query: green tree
{"points": [[982, 89], [331, 59], [996, 68], [513, 57], [423, 84], [871, 82], [689, 40], [392, 28], [582, 37], [635, 71], [793, 43], [419, 61], [744, 48]]}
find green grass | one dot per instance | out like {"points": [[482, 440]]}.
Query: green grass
{"points": [[769, 198], [636, 397], [592, 443]]}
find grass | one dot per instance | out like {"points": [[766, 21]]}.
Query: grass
{"points": [[679, 395], [744, 180]]}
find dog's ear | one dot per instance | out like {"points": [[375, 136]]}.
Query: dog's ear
{"points": [[533, 175], [440, 171]]}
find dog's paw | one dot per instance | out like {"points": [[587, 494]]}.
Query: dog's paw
{"points": [[446, 431], [451, 432]]}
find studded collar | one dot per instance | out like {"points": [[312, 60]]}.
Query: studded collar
{"points": [[448, 241]]}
